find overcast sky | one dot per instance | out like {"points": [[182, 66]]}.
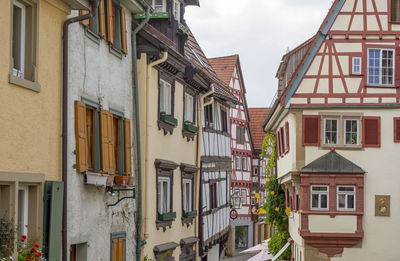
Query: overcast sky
{"points": [[260, 31]]}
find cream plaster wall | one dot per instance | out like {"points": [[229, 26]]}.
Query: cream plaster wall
{"points": [[337, 224], [31, 122], [168, 147], [287, 162]]}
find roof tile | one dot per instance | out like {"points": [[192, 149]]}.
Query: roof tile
{"points": [[257, 117]]}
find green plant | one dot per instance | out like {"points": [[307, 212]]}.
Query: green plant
{"points": [[7, 237], [228, 253], [169, 253], [277, 241]]}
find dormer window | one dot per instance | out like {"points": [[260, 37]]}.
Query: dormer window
{"points": [[159, 6], [177, 10]]}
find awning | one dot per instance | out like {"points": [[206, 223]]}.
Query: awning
{"points": [[257, 248]]}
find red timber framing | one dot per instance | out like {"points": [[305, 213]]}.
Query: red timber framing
{"points": [[331, 243]]}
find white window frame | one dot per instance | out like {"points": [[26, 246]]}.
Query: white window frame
{"points": [[164, 194], [380, 66], [165, 97], [346, 193], [244, 163], [353, 71], [319, 193], [163, 7], [238, 161], [189, 101], [176, 11], [337, 130], [243, 195], [187, 202], [23, 221], [20, 73], [344, 131]]}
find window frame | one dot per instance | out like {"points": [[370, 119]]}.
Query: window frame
{"points": [[380, 84], [346, 193], [337, 130], [341, 138], [25, 218], [353, 64], [176, 12], [209, 116], [119, 235], [15, 72], [224, 120], [186, 181], [163, 6], [168, 194], [240, 134], [189, 111], [319, 193], [244, 166], [345, 132], [163, 85], [238, 160]]}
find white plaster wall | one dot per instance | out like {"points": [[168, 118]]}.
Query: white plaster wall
{"points": [[294, 225], [98, 75], [382, 173], [328, 224], [287, 162]]}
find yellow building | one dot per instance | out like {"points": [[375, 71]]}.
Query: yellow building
{"points": [[30, 101]]}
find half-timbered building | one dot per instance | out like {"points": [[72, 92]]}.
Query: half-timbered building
{"points": [[337, 132], [229, 71]]}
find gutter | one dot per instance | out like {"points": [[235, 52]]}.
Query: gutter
{"points": [[95, 5], [139, 242]]}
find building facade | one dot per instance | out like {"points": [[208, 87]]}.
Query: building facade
{"points": [[229, 71], [336, 124]]}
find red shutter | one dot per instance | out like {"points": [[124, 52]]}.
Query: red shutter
{"points": [[277, 143], [397, 63], [282, 140], [287, 137], [396, 129], [311, 130], [371, 131]]}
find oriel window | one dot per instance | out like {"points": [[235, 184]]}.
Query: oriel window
{"points": [[319, 197]]}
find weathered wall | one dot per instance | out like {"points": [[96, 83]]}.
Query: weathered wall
{"points": [[100, 76]]}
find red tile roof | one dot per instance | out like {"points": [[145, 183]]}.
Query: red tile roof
{"points": [[223, 67], [257, 117]]}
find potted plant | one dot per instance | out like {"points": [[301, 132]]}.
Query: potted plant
{"points": [[121, 180]]}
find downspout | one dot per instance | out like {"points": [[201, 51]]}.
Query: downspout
{"points": [[198, 161], [135, 108], [95, 5], [147, 153]]}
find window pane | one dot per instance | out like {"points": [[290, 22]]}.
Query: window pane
{"points": [[165, 197], [341, 201], [324, 201], [350, 201], [314, 201], [351, 189], [319, 188], [159, 197]]}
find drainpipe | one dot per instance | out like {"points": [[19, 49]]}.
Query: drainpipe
{"points": [[138, 153], [149, 191], [198, 161], [95, 5]]}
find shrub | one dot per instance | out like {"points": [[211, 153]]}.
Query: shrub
{"points": [[7, 237], [277, 241]]}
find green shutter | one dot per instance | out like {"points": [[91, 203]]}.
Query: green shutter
{"points": [[52, 221]]}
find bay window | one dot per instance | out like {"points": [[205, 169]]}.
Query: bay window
{"points": [[319, 197]]}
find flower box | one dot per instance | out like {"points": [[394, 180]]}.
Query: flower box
{"points": [[183, 29], [188, 126], [121, 180], [168, 119], [167, 216], [190, 214], [96, 179]]}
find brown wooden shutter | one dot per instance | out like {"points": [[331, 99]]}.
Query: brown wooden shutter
{"points": [[105, 141], [371, 131], [397, 63], [287, 137], [84, 22], [123, 32], [311, 130], [110, 21], [81, 137], [102, 20], [396, 129], [128, 147], [111, 150]]}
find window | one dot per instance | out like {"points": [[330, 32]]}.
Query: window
{"points": [[224, 120], [165, 97], [240, 135], [380, 67], [346, 197], [187, 195], [116, 26], [189, 108], [90, 128], [395, 10], [351, 131], [177, 10], [356, 65], [244, 163], [243, 194], [255, 170], [118, 250], [319, 197], [23, 211], [23, 64], [330, 131], [164, 195], [213, 196], [159, 5], [208, 116], [78, 252], [238, 163]]}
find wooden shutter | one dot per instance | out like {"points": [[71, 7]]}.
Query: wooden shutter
{"points": [[102, 20], [277, 143], [111, 145], [311, 130], [128, 147], [107, 149], [371, 131], [282, 140], [110, 21], [287, 137], [397, 63], [81, 137], [123, 32], [84, 22], [396, 129]]}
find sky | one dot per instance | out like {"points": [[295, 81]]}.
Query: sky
{"points": [[260, 31]]}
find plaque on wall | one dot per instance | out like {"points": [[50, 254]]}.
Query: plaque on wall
{"points": [[382, 205]]}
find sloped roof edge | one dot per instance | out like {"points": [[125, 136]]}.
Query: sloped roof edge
{"points": [[332, 162]]}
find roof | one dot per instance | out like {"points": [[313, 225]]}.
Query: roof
{"points": [[257, 116], [224, 66], [332, 162]]}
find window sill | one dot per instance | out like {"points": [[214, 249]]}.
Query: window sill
{"points": [[380, 86], [342, 147], [92, 36], [170, 216], [96, 179], [33, 86], [167, 123], [116, 52], [163, 225]]}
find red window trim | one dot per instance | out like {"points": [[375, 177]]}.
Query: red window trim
{"points": [[379, 132], [319, 130], [395, 129]]}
